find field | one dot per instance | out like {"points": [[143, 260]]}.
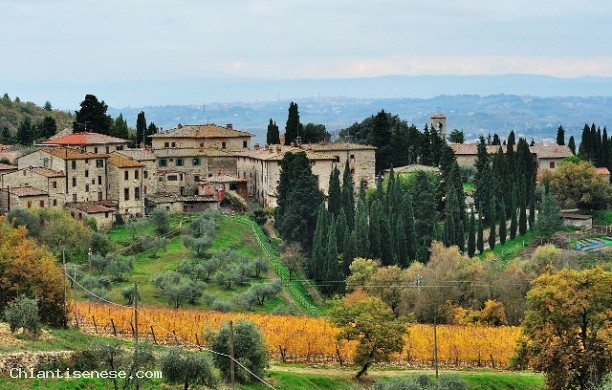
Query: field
{"points": [[301, 339]]}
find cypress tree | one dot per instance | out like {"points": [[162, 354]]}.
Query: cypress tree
{"points": [[375, 230], [273, 134], [461, 237], [532, 208], [560, 136], [492, 234], [334, 199], [471, 249], [513, 221], [141, 129], [480, 238], [315, 266], [293, 127], [482, 178], [502, 222], [401, 243], [522, 227], [348, 195], [409, 225], [572, 144], [340, 231], [585, 143], [362, 241], [331, 275], [348, 251], [386, 244]]}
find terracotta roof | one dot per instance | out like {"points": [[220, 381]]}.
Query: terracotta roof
{"points": [[85, 139], [7, 167], [472, 149], [60, 134], [339, 146], [277, 152], [164, 172], [191, 152], [123, 162], [72, 154], [201, 131], [137, 154], [438, 115], [602, 171], [166, 197], [47, 172], [27, 191], [551, 151], [91, 207]]}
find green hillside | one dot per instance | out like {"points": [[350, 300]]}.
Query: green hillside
{"points": [[13, 112]]}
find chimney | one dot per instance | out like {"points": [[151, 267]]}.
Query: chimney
{"points": [[229, 126], [256, 146], [279, 149]]}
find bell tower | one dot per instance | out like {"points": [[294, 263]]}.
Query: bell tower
{"points": [[438, 122]]}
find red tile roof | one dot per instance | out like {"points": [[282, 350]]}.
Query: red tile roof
{"points": [[72, 154], [202, 131], [47, 172], [27, 191], [124, 162], [85, 139]]}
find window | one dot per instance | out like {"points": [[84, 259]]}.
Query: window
{"points": [[173, 144], [73, 164], [166, 144], [86, 187], [136, 192], [46, 163], [145, 174], [54, 202], [172, 178], [87, 173], [126, 194], [145, 190], [74, 198], [41, 203], [96, 149], [196, 178], [54, 184], [180, 162], [337, 158], [93, 181], [244, 144], [87, 161], [99, 163], [552, 165], [136, 174], [223, 145], [100, 195], [107, 149], [119, 147], [352, 156], [196, 162], [163, 162], [99, 180], [126, 175], [29, 204], [74, 181]]}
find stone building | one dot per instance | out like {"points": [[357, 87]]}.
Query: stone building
{"points": [[202, 136], [549, 156], [25, 197], [86, 172], [102, 212], [261, 167], [89, 142], [51, 182], [125, 184], [361, 158], [438, 122], [148, 159]]}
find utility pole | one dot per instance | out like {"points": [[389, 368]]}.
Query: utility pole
{"points": [[231, 351], [136, 312], [65, 292]]}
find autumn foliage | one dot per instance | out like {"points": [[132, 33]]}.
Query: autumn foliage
{"points": [[303, 339], [30, 269]]}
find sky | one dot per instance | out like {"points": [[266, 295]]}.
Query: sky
{"points": [[125, 40]]}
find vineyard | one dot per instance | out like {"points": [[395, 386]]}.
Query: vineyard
{"points": [[301, 339]]}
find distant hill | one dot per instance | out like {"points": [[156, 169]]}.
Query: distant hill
{"points": [[14, 112], [529, 116]]}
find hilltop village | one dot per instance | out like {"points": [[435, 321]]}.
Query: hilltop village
{"points": [[186, 169]]}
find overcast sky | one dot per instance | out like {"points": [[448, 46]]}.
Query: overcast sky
{"points": [[278, 39]]}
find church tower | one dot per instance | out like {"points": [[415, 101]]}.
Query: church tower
{"points": [[438, 122]]}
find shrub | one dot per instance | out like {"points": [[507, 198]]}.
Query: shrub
{"points": [[23, 313], [184, 367]]}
